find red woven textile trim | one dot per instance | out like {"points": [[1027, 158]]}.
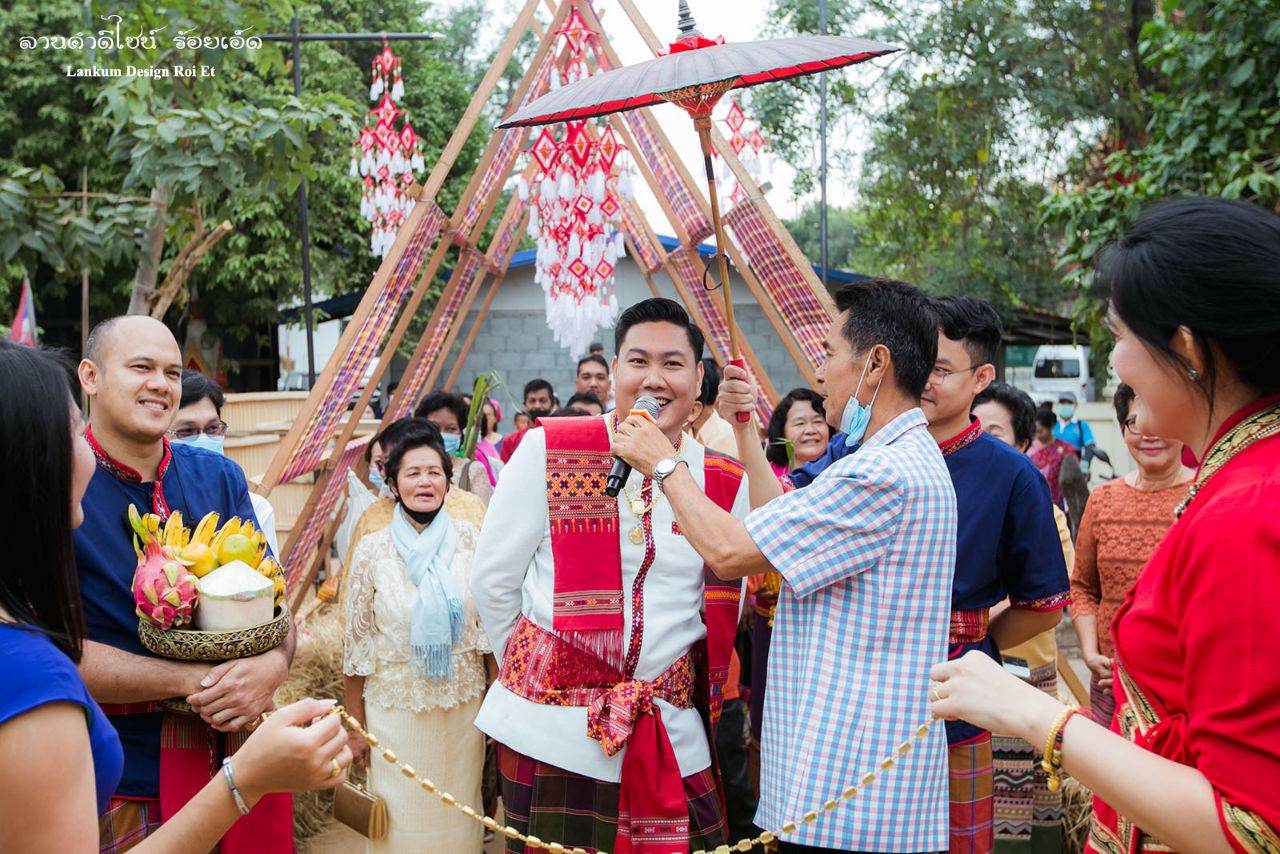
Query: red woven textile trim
{"points": [[300, 557], [687, 266], [784, 281], [368, 344]]}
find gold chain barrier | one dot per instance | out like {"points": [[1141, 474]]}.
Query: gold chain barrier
{"points": [[742, 845]]}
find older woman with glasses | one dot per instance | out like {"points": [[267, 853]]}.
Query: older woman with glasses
{"points": [[1123, 523]]}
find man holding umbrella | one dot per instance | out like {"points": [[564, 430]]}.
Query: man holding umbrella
{"points": [[867, 553]]}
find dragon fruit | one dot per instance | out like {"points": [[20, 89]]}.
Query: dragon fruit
{"points": [[163, 589]]}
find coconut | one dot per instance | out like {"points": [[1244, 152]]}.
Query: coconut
{"points": [[234, 596]]}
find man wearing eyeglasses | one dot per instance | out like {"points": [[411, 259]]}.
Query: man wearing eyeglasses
{"points": [[1010, 581]]}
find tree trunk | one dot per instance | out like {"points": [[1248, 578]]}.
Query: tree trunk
{"points": [[144, 280]]}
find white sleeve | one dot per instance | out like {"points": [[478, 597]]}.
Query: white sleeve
{"points": [[266, 520], [513, 529]]}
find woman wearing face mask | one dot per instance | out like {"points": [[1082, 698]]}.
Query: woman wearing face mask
{"points": [[1193, 752], [1123, 523], [414, 652], [449, 413], [60, 758], [199, 424]]}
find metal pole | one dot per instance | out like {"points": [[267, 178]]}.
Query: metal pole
{"points": [[303, 225], [84, 270], [822, 135]]}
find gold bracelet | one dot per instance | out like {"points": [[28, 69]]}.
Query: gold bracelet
{"points": [[1051, 761]]}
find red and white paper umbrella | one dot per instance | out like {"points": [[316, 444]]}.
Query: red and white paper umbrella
{"points": [[386, 156]]}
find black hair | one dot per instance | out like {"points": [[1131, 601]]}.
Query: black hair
{"points": [[438, 400], [39, 587], [1045, 418], [595, 348], [197, 387], [584, 397], [659, 310], [387, 436], [416, 433], [486, 426], [1208, 264], [569, 412], [1020, 406], [899, 316], [973, 321], [775, 450], [538, 385], [97, 337], [710, 382], [594, 357], [1123, 402]]}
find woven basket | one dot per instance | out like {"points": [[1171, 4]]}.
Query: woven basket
{"points": [[192, 645]]}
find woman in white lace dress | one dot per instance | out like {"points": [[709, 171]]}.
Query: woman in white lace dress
{"points": [[414, 655]]}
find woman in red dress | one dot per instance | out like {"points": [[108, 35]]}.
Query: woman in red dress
{"points": [[1192, 761]]}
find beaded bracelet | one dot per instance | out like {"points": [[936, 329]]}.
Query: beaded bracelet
{"points": [[1052, 759], [235, 791]]}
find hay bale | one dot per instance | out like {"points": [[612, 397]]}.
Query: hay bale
{"points": [[316, 672], [1077, 813]]}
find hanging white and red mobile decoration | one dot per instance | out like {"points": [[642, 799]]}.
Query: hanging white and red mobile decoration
{"points": [[575, 211], [747, 143], [385, 157]]}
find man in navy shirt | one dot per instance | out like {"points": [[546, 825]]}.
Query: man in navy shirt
{"points": [[1007, 545], [132, 376]]}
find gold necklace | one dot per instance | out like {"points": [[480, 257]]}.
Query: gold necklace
{"points": [[1253, 429], [636, 503], [640, 509]]}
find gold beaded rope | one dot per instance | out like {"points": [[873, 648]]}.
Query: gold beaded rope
{"points": [[742, 845]]}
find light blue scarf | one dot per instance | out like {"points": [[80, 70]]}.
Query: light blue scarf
{"points": [[435, 623]]}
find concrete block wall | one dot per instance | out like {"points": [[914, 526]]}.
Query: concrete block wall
{"points": [[519, 346]]}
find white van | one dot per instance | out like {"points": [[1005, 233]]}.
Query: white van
{"points": [[1058, 368]]}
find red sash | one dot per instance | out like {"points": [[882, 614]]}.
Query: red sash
{"points": [[587, 614], [587, 609], [190, 755]]}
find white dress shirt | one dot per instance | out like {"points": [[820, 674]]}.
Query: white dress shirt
{"points": [[514, 574]]}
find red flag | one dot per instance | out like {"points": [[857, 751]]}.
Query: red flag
{"points": [[23, 328]]}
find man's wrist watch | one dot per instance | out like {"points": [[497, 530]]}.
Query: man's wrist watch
{"points": [[664, 469]]}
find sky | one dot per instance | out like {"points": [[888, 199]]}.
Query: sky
{"points": [[736, 20]]}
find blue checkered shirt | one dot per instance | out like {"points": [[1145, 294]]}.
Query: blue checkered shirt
{"points": [[868, 553]]}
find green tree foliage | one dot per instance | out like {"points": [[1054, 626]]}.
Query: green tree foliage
{"points": [[966, 129], [1214, 129], [232, 146], [844, 236]]}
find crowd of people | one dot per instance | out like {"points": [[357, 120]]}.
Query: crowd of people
{"points": [[756, 620]]}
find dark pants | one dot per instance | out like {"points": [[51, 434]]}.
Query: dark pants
{"points": [[731, 750]]}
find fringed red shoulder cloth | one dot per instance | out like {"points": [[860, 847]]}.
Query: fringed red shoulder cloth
{"points": [[581, 661]]}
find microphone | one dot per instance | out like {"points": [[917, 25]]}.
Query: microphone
{"points": [[645, 407]]}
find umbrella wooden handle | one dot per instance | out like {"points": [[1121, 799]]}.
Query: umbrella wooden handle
{"points": [[742, 417]]}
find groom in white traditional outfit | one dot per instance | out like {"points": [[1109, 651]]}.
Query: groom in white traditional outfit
{"points": [[613, 637]]}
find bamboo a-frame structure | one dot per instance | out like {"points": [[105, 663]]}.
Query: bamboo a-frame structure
{"points": [[320, 443]]}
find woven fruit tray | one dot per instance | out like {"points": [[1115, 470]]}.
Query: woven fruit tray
{"points": [[193, 645]]}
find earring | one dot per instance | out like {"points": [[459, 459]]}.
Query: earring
{"points": [[1193, 373]]}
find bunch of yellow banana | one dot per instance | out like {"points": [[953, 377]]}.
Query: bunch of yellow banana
{"points": [[271, 569], [208, 546], [148, 528]]}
